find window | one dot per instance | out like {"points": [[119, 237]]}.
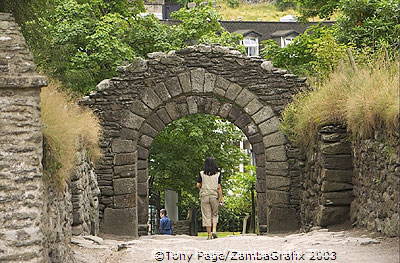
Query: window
{"points": [[286, 40], [251, 45]]}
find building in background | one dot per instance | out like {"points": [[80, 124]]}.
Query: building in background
{"points": [[162, 9]]}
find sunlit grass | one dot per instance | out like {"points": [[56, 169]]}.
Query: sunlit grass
{"points": [[219, 234], [66, 126], [365, 100], [252, 12]]}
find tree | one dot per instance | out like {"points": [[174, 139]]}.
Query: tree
{"points": [[362, 23], [81, 42], [314, 53], [177, 154]]}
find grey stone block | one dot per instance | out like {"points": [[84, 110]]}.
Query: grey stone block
{"points": [[145, 141], [277, 153], [143, 207], [125, 171], [192, 105], [277, 165], [148, 130], [122, 146], [142, 189], [132, 121], [253, 106], [222, 84], [269, 126], [327, 216], [209, 82], [275, 197], [139, 108], [340, 162], [280, 183], [184, 79], [197, 79], [124, 158], [233, 91], [172, 111], [225, 109], [162, 92], [262, 115], [336, 148], [154, 121], [282, 219], [121, 222], [150, 98], [124, 186], [337, 198], [164, 116], [342, 176], [274, 139], [142, 153], [244, 97], [173, 86], [125, 201], [328, 186], [142, 176]]}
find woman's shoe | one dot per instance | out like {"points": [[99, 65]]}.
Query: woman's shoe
{"points": [[209, 237], [214, 235]]}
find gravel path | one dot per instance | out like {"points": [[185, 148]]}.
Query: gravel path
{"points": [[317, 246]]}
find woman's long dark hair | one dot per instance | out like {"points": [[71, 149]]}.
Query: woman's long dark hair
{"points": [[210, 166]]}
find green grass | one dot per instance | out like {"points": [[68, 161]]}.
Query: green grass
{"points": [[252, 12], [220, 234]]}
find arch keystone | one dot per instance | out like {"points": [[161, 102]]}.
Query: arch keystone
{"points": [[197, 79]]}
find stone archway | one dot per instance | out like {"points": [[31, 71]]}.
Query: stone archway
{"points": [[149, 94]]}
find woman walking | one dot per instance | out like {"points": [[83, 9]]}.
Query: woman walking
{"points": [[209, 183]]}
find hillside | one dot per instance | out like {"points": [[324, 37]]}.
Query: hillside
{"points": [[252, 12]]}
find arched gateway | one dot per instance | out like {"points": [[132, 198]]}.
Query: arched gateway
{"points": [[149, 94]]}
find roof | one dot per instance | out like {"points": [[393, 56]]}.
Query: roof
{"points": [[266, 29], [246, 32], [283, 33]]}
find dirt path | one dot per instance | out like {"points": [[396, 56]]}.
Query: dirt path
{"points": [[316, 246]]}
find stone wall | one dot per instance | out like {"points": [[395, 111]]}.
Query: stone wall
{"points": [[376, 184], [327, 179], [70, 211], [85, 197], [182, 227], [149, 94], [21, 190]]}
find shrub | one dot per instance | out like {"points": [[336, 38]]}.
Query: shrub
{"points": [[363, 99], [233, 3], [65, 127], [314, 53]]}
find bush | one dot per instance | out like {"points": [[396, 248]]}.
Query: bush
{"points": [[364, 99], [314, 53], [233, 3], [65, 126]]}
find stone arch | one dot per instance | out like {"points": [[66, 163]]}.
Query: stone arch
{"points": [[149, 94]]}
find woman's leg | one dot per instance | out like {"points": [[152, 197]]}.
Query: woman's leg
{"points": [[214, 214], [206, 213]]}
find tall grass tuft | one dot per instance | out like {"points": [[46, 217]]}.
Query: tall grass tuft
{"points": [[364, 98], [66, 128]]}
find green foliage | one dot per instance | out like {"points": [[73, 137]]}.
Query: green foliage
{"points": [[370, 24], [364, 99], [286, 4], [81, 42], [322, 8], [233, 3], [314, 53], [362, 23], [177, 154]]}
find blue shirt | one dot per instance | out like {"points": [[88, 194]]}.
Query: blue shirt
{"points": [[165, 226]]}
